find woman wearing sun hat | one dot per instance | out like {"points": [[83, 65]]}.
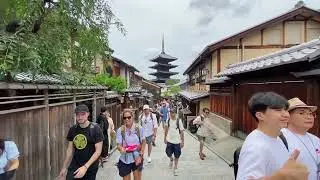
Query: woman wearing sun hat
{"points": [[302, 117]]}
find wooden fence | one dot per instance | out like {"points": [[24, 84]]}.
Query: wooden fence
{"points": [[40, 131]]}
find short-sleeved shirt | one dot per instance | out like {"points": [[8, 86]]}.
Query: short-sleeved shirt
{"points": [[309, 146], [165, 112], [131, 138], [84, 140], [148, 123], [11, 152], [173, 136], [261, 155]]}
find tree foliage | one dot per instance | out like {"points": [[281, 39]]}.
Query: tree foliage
{"points": [[40, 35], [117, 83]]}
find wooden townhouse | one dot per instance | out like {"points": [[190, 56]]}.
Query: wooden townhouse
{"points": [[299, 25]]}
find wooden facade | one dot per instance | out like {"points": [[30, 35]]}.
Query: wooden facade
{"points": [[279, 79], [40, 131], [297, 26]]}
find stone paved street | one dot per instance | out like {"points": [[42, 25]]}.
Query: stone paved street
{"points": [[190, 165]]}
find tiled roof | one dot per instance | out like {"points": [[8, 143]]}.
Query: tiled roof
{"points": [[158, 65], [303, 52], [209, 48], [112, 94], [151, 83], [41, 79], [163, 72], [134, 89], [217, 80], [121, 61], [193, 95], [163, 56]]}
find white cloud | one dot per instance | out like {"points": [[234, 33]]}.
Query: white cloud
{"points": [[185, 38]]}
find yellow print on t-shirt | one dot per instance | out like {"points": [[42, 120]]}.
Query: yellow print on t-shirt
{"points": [[80, 141]]}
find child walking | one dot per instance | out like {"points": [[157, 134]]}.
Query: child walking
{"points": [[174, 138]]}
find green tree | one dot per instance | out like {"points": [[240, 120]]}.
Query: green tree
{"points": [[42, 35]]}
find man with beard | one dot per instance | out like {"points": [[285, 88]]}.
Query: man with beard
{"points": [[84, 148]]}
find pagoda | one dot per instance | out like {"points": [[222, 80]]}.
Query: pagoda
{"points": [[163, 66]]}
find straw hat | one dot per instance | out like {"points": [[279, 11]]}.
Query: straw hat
{"points": [[297, 103]]}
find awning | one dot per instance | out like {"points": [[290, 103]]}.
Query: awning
{"points": [[193, 95]]}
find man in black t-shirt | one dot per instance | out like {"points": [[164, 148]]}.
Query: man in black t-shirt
{"points": [[84, 148]]}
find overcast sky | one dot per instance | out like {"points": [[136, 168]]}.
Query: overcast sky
{"points": [[188, 26]]}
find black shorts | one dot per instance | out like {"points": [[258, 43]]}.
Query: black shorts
{"points": [[126, 169], [8, 175], [173, 149], [88, 176]]}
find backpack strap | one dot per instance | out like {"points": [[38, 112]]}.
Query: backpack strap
{"points": [[137, 129], [284, 140], [123, 133], [140, 118], [178, 125]]}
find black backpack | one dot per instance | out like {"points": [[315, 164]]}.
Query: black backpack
{"points": [[236, 155], [193, 128]]}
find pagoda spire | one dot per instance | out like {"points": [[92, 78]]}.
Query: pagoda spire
{"points": [[162, 44]]}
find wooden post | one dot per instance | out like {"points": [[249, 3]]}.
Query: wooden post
{"points": [[74, 107], [104, 97], [94, 107], [47, 119]]}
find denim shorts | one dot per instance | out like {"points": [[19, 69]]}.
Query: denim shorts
{"points": [[126, 169], [149, 139], [173, 149]]}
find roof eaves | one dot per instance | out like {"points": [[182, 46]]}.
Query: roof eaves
{"points": [[262, 25]]}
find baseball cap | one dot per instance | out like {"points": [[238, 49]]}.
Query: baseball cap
{"points": [[146, 107], [82, 108]]}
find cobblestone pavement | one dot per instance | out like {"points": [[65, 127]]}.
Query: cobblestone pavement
{"points": [[190, 166]]}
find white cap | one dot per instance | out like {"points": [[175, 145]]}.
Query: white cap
{"points": [[146, 107]]}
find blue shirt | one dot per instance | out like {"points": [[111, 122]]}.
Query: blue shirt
{"points": [[10, 152], [131, 138], [164, 111]]}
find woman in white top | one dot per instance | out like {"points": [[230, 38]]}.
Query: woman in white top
{"points": [[203, 130], [301, 120]]}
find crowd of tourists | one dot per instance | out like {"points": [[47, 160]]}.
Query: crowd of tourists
{"points": [[280, 148]]}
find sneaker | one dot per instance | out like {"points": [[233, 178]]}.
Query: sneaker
{"points": [[175, 172], [170, 164], [149, 160]]}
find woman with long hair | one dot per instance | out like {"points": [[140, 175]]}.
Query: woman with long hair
{"points": [[131, 144], [9, 161]]}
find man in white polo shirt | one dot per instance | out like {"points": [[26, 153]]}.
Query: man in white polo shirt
{"points": [[149, 123]]}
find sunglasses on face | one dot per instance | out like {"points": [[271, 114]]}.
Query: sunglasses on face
{"points": [[127, 117]]}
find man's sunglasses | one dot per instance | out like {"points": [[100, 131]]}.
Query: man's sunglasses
{"points": [[128, 117]]}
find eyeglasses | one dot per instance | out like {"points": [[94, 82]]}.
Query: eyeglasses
{"points": [[307, 114], [128, 117]]}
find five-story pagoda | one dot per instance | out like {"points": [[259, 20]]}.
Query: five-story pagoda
{"points": [[163, 66]]}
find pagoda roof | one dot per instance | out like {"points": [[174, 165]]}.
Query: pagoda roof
{"points": [[162, 65], [160, 80], [163, 56], [163, 73]]}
